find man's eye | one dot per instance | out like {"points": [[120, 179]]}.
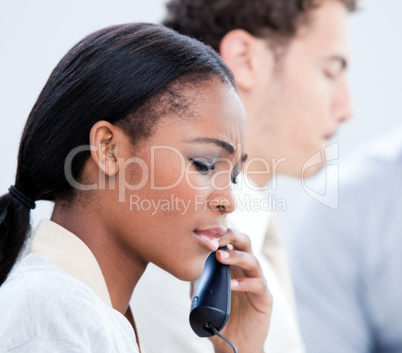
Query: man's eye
{"points": [[234, 179], [202, 166], [330, 74]]}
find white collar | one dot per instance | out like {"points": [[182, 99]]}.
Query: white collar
{"points": [[62, 248]]}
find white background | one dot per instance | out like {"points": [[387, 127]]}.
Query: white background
{"points": [[35, 34]]}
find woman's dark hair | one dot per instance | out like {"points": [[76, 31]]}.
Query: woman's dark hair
{"points": [[110, 75], [210, 20]]}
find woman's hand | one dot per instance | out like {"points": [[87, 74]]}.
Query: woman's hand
{"points": [[250, 315]]}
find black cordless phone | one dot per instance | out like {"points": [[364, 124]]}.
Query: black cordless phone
{"points": [[210, 306]]}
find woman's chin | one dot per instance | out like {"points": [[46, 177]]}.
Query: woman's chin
{"points": [[191, 273], [188, 269]]}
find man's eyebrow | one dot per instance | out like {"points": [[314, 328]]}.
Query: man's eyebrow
{"points": [[228, 147], [342, 60]]}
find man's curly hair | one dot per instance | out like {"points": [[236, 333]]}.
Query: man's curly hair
{"points": [[210, 20]]}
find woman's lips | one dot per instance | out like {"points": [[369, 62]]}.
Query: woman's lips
{"points": [[209, 238]]}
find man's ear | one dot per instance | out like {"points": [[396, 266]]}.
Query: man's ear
{"points": [[245, 54], [104, 141]]}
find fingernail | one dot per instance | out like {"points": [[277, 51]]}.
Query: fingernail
{"points": [[224, 254], [234, 283]]}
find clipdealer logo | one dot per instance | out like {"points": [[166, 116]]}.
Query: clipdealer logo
{"points": [[176, 204], [330, 196]]}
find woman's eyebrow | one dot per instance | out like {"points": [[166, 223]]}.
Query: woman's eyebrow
{"points": [[228, 147]]}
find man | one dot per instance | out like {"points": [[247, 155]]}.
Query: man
{"points": [[289, 59], [347, 262]]}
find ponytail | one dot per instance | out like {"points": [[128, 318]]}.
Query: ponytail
{"points": [[15, 208]]}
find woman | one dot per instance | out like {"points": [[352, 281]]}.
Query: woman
{"points": [[136, 137]]}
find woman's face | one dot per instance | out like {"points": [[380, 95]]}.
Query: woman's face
{"points": [[176, 191]]}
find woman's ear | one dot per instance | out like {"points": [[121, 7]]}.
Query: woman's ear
{"points": [[104, 141], [246, 56]]}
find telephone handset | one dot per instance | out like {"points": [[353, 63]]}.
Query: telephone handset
{"points": [[210, 306]]}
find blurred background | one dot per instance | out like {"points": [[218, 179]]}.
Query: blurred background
{"points": [[34, 35]]}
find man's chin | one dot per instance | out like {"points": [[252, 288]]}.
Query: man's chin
{"points": [[313, 164], [311, 171]]}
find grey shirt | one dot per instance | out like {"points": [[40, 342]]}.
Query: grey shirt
{"points": [[347, 262]]}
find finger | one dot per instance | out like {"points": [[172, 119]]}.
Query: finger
{"points": [[251, 285], [256, 287], [246, 261], [239, 240]]}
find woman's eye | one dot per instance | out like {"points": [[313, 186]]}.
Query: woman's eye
{"points": [[202, 166], [234, 179]]}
